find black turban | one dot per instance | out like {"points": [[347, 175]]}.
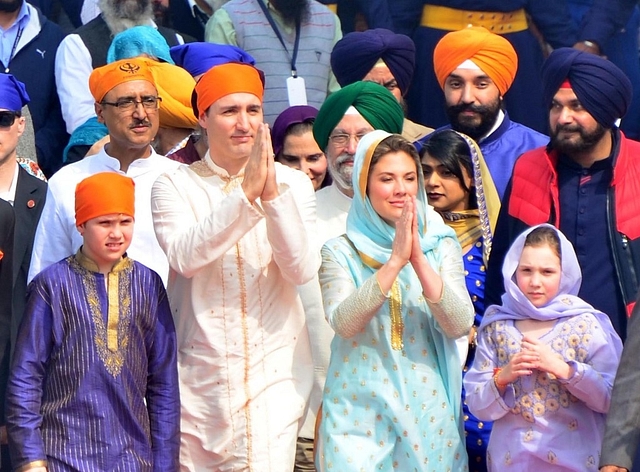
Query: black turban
{"points": [[603, 89], [355, 55]]}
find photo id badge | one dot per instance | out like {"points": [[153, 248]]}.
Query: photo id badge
{"points": [[296, 91]]}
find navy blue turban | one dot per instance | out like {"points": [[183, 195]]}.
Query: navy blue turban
{"points": [[356, 53], [603, 89], [198, 58]]}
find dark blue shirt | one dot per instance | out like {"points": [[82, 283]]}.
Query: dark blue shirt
{"points": [[583, 219]]}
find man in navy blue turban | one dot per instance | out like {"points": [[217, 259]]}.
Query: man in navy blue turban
{"points": [[380, 56], [603, 89], [586, 183]]}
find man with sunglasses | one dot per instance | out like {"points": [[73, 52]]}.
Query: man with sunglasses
{"points": [[127, 102], [26, 194]]}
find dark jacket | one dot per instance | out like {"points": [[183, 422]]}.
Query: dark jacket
{"points": [[532, 197], [33, 65]]}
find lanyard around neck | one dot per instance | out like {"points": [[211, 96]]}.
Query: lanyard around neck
{"points": [[274, 27], [13, 48]]}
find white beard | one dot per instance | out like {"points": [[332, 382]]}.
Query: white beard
{"points": [[120, 19]]}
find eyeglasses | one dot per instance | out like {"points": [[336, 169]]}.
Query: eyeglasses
{"points": [[7, 118], [129, 104], [343, 139]]}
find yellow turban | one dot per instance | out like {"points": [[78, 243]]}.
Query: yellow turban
{"points": [[175, 86], [102, 194], [226, 79], [492, 53], [106, 77]]}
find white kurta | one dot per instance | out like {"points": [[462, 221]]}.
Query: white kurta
{"points": [[57, 237], [243, 350], [333, 207]]}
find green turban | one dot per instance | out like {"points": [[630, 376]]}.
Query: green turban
{"points": [[374, 102]]}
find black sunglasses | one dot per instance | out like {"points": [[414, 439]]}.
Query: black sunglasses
{"points": [[7, 118]]}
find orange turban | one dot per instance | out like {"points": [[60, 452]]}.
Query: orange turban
{"points": [[226, 79], [106, 77], [175, 86], [492, 53], [104, 194]]}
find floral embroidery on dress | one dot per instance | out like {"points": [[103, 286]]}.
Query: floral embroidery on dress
{"points": [[545, 394]]}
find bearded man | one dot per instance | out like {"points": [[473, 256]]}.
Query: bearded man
{"points": [[475, 69], [291, 41], [86, 49], [384, 57], [585, 183]]}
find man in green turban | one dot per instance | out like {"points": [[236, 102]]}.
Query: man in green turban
{"points": [[345, 116]]}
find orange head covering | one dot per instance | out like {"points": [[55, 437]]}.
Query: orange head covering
{"points": [[175, 86], [226, 79], [106, 77], [492, 53], [103, 194]]}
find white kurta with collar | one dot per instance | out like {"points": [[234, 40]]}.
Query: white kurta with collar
{"points": [[243, 350], [57, 236]]}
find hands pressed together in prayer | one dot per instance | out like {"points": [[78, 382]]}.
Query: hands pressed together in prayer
{"points": [[260, 172], [534, 355], [406, 249]]}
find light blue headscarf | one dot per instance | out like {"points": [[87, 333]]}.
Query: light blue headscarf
{"points": [[139, 40], [369, 233], [373, 237]]}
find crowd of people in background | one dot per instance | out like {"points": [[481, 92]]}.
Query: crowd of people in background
{"points": [[315, 235]]}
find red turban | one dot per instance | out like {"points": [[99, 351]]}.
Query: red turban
{"points": [[492, 53], [104, 194]]}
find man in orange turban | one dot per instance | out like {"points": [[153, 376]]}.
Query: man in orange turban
{"points": [[238, 229], [127, 102], [475, 69]]}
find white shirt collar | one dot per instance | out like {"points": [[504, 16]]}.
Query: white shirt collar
{"points": [[10, 195]]}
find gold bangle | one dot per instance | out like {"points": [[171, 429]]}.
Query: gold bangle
{"points": [[496, 372]]}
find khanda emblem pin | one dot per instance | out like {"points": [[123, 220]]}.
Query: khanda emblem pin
{"points": [[129, 68]]}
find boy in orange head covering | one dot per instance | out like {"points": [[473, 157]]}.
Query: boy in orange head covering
{"points": [[238, 230], [105, 318]]}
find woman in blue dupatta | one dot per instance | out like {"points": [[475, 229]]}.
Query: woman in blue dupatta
{"points": [[393, 291]]}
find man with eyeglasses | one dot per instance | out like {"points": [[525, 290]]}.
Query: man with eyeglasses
{"points": [[127, 102], [344, 118], [381, 56]]}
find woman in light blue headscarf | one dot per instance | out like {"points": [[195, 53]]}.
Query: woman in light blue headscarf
{"points": [[394, 292]]}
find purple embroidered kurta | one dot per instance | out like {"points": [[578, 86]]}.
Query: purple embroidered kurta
{"points": [[94, 383]]}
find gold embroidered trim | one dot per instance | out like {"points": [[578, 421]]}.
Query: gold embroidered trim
{"points": [[247, 352], [395, 308], [111, 339], [204, 169], [114, 311]]}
